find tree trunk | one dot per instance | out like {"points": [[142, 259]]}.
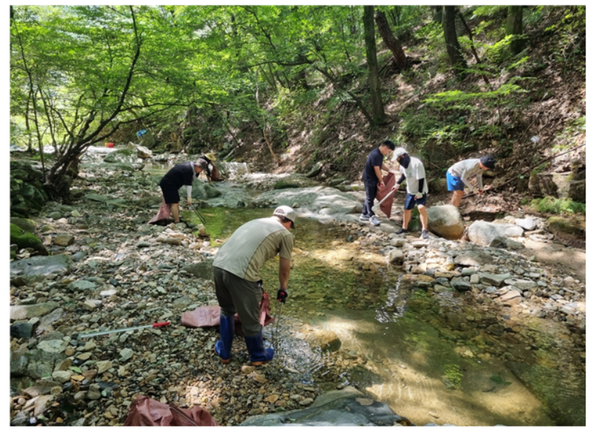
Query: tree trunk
{"points": [[390, 40], [437, 12], [456, 59], [514, 26], [369, 23]]}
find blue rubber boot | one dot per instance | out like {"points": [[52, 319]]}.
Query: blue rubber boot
{"points": [[256, 348], [223, 346]]}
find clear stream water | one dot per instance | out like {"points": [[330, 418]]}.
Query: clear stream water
{"points": [[401, 352], [407, 357]]}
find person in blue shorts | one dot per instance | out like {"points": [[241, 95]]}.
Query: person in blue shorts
{"points": [[457, 176], [413, 171]]}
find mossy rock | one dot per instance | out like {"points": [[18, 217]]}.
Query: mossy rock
{"points": [[561, 226], [24, 223], [26, 240], [285, 185]]}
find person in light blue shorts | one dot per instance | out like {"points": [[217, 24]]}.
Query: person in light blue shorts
{"points": [[457, 175]]}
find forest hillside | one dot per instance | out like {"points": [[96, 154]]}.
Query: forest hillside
{"points": [[301, 88]]}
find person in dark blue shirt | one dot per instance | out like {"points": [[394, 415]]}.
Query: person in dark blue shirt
{"points": [[373, 178], [181, 174]]}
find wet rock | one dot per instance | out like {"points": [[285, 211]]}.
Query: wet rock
{"points": [[445, 221], [21, 330], [326, 340]]}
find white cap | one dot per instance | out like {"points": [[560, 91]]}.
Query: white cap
{"points": [[287, 212], [398, 151]]}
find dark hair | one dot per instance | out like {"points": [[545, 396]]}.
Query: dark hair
{"points": [[488, 161], [390, 144]]}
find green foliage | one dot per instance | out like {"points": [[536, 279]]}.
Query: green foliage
{"points": [[569, 46], [498, 379], [558, 205]]}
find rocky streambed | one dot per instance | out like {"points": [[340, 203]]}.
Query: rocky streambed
{"points": [[108, 269]]}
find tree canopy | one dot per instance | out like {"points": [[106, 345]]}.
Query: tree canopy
{"points": [[81, 74]]}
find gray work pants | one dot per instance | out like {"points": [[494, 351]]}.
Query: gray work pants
{"points": [[236, 295]]}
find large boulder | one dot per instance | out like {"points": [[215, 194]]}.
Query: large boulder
{"points": [[26, 224], [348, 407], [445, 221], [492, 235]]}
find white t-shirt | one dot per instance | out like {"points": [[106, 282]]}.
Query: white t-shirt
{"points": [[414, 172]]}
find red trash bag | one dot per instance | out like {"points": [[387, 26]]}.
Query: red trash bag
{"points": [[145, 411], [209, 316], [386, 207], [164, 212]]}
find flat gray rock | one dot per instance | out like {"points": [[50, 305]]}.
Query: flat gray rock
{"points": [[41, 265], [347, 407]]}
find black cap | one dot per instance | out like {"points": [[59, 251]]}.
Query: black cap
{"points": [[488, 161]]}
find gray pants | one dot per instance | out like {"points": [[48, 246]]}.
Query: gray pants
{"points": [[236, 295]]}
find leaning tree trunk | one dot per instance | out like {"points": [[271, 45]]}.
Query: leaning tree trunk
{"points": [[390, 40], [369, 23], [456, 59], [514, 26]]}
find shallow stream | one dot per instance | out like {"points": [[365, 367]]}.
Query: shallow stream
{"points": [[403, 354]]}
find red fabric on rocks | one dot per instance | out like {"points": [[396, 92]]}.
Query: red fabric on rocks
{"points": [[164, 212], [209, 316], [386, 207], [145, 411]]}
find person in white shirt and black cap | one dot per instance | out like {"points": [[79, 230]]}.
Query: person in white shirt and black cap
{"points": [[413, 171], [457, 175]]}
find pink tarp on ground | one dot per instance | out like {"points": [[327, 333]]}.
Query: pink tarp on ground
{"points": [[208, 316], [145, 411], [386, 207]]}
